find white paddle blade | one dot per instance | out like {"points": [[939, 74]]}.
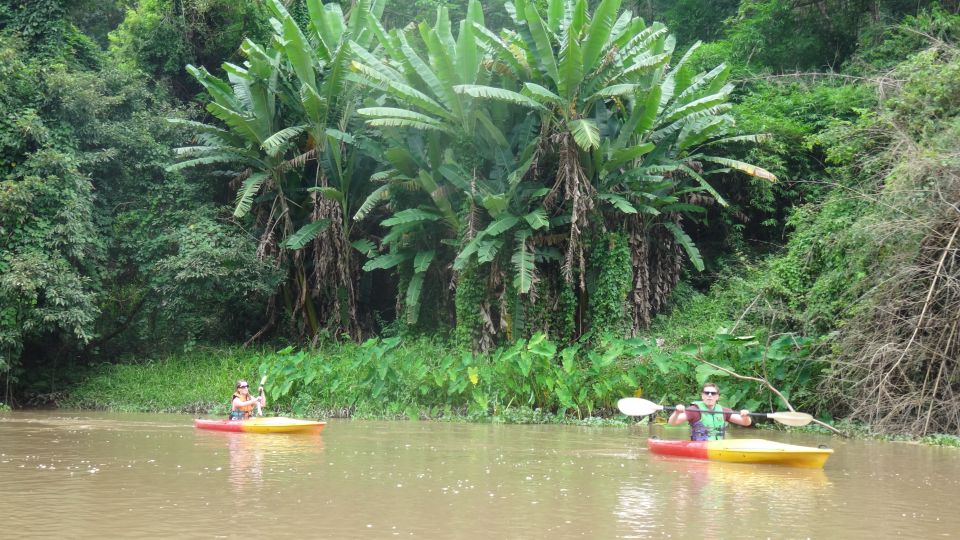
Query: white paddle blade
{"points": [[795, 419], [632, 406]]}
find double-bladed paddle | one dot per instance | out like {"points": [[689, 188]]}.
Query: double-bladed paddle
{"points": [[642, 407]]}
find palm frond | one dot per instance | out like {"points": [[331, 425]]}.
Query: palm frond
{"points": [[542, 42], [501, 51], [364, 246], [207, 160], [406, 123], [704, 184]]}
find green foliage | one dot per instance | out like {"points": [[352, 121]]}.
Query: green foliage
{"points": [[48, 250], [468, 299], [92, 226], [691, 20], [883, 45], [835, 255], [610, 259], [160, 37], [776, 34], [531, 381], [199, 381], [695, 316], [389, 377]]}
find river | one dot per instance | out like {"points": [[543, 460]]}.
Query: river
{"points": [[87, 474]]}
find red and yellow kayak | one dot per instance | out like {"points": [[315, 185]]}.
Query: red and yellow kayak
{"points": [[744, 451], [262, 424]]}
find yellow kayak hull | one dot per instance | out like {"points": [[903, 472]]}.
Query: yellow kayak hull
{"points": [[262, 424], [759, 451]]}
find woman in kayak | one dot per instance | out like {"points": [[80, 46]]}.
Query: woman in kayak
{"points": [[707, 420], [243, 402]]}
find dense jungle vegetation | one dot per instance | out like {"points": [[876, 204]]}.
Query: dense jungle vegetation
{"points": [[526, 208]]}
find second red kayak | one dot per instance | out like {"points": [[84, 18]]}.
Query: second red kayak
{"points": [[262, 424], [744, 451]]}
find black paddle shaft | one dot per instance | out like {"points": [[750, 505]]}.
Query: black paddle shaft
{"points": [[760, 414]]}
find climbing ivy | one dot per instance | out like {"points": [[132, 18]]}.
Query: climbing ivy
{"points": [[610, 260]]}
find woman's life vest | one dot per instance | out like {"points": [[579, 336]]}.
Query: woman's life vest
{"points": [[711, 426], [241, 411]]}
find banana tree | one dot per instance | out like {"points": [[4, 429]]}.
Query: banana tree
{"points": [[622, 130], [323, 103], [286, 107], [249, 105], [438, 144]]}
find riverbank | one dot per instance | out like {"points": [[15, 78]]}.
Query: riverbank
{"points": [[332, 382]]}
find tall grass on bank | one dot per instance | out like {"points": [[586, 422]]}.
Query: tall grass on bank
{"points": [[198, 382]]}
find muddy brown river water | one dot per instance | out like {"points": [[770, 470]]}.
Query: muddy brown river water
{"points": [[104, 475]]}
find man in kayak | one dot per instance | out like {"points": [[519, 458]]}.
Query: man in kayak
{"points": [[243, 402], [707, 420]]}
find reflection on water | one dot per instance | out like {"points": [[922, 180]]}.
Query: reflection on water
{"points": [[710, 499], [254, 454], [96, 475]]}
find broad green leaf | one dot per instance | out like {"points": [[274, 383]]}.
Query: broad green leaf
{"points": [[614, 90], [500, 51], [333, 194], [364, 246], [618, 202], [501, 224], [414, 289], [495, 204], [246, 193], [386, 261], [704, 184], [585, 133], [603, 18], [537, 219], [379, 195], [421, 262], [542, 42], [500, 94], [540, 93], [705, 373], [627, 155], [523, 262], [487, 249], [410, 215], [687, 243], [306, 233], [571, 68]]}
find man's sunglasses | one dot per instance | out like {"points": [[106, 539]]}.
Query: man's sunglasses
{"points": [[710, 393]]}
